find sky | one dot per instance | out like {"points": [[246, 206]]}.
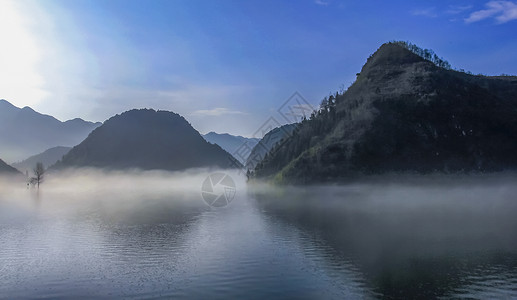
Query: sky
{"points": [[226, 66]]}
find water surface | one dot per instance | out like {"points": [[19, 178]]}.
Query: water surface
{"points": [[151, 236]]}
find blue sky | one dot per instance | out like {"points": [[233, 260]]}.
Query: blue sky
{"points": [[226, 66]]}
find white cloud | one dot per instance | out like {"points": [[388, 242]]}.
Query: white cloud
{"points": [[501, 11], [321, 2], [97, 104], [426, 12], [218, 111], [457, 9]]}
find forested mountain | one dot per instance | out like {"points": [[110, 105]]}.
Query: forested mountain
{"points": [[404, 113], [146, 139], [47, 158], [231, 143], [25, 132], [264, 146]]}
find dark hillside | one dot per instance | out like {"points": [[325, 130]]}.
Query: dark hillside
{"points": [[404, 113]]}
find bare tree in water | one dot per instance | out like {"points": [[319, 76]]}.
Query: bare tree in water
{"points": [[39, 172]]}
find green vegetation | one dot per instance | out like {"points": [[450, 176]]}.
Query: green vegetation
{"points": [[426, 54], [404, 113]]}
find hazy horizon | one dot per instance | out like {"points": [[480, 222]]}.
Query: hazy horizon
{"points": [[225, 66]]}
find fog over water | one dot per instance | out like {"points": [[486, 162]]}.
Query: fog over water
{"points": [[150, 235]]}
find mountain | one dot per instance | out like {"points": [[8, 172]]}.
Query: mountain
{"points": [[404, 113], [7, 169], [147, 139], [271, 139], [24, 132], [232, 144], [47, 158]]}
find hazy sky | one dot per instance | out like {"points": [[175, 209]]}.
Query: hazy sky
{"points": [[226, 66]]}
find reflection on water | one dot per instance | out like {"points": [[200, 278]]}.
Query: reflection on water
{"points": [[151, 236], [428, 239]]}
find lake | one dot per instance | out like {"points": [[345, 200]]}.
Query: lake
{"points": [[150, 235]]}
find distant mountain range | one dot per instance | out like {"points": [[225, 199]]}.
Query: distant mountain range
{"points": [[25, 132], [406, 112], [232, 144], [47, 158], [7, 169], [146, 139]]}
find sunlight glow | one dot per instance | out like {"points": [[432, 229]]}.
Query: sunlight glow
{"points": [[20, 82]]}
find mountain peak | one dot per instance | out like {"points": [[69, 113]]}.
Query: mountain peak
{"points": [[408, 111], [28, 108], [7, 105], [79, 121], [392, 54], [146, 139], [24, 132]]}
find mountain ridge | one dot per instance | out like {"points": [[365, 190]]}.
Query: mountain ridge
{"points": [[25, 132], [146, 139], [403, 114], [231, 143], [48, 158], [7, 169], [267, 143]]}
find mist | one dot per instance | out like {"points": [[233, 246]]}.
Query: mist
{"points": [[132, 233], [419, 236], [116, 195]]}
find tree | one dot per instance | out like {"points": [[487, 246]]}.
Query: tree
{"points": [[427, 54], [39, 172], [324, 106]]}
